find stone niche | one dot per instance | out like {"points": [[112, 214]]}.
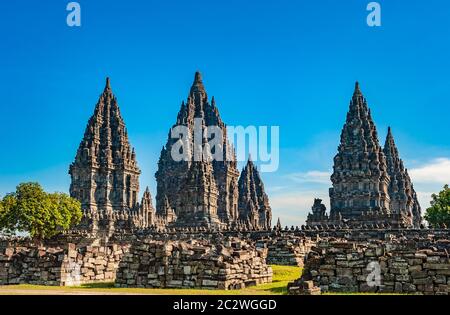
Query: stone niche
{"points": [[228, 264]]}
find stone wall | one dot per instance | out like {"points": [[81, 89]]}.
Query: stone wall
{"points": [[91, 264], [224, 264], [418, 266], [30, 264], [24, 262], [78, 258], [287, 250]]}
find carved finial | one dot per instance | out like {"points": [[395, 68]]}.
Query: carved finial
{"points": [[357, 89], [198, 77], [389, 139], [108, 84], [197, 86]]}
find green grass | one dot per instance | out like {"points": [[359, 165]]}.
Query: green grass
{"points": [[281, 276]]}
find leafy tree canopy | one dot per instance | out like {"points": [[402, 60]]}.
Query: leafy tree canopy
{"points": [[43, 215], [439, 212]]}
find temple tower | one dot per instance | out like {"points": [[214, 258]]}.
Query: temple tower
{"points": [[254, 208], [172, 175], [105, 174], [360, 178], [401, 191]]}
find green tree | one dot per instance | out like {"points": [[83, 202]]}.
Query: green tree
{"points": [[30, 209], [439, 212], [6, 204]]}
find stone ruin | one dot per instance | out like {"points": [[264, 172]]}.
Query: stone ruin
{"points": [[395, 265], [163, 261], [411, 261], [286, 250], [232, 264], [58, 264], [211, 228]]}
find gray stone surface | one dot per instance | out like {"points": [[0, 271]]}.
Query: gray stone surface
{"points": [[419, 266], [227, 264]]}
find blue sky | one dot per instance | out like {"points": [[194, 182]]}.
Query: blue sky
{"points": [[287, 63]]}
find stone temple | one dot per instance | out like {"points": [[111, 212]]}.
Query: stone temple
{"points": [[370, 184], [105, 174], [254, 208], [204, 192]]}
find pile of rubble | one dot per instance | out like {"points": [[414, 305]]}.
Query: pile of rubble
{"points": [[26, 264], [226, 264], [286, 250], [401, 266], [60, 265]]}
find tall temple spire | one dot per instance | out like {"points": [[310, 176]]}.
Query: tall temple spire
{"points": [[146, 210], [390, 150], [371, 187], [254, 209], [198, 109], [278, 225], [360, 178], [401, 191], [105, 174]]}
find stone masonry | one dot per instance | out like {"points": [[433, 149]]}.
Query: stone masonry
{"points": [[231, 264], [286, 250], [414, 267], [64, 264]]}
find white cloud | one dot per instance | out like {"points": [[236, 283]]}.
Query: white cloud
{"points": [[424, 198], [318, 177], [430, 178], [275, 189], [437, 171]]}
